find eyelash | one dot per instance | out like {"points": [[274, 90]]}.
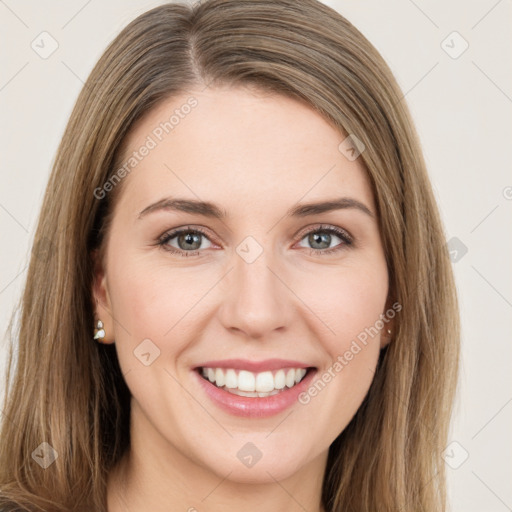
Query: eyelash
{"points": [[343, 235]]}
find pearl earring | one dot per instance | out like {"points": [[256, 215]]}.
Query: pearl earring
{"points": [[99, 332]]}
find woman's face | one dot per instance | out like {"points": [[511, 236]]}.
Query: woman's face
{"points": [[256, 276]]}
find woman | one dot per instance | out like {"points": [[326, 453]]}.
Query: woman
{"points": [[247, 301]]}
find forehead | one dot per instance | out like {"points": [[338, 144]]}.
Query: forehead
{"points": [[238, 147]]}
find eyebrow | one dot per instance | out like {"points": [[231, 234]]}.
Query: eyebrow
{"points": [[209, 209]]}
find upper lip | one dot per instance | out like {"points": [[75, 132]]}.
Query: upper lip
{"points": [[254, 366]]}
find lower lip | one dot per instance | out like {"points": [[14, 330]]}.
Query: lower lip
{"points": [[255, 407]]}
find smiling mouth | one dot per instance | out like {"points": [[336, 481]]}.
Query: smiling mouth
{"points": [[252, 384]]}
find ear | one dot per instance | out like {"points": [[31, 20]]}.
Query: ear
{"points": [[389, 324], [101, 300]]}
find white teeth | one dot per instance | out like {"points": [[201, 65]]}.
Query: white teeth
{"points": [[231, 379], [245, 383], [219, 377], [265, 382], [280, 380], [245, 393]]}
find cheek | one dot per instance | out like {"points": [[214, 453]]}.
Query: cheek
{"points": [[360, 306], [151, 301], [350, 303], [351, 306]]}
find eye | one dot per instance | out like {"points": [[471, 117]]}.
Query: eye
{"points": [[185, 241], [188, 241], [321, 238]]}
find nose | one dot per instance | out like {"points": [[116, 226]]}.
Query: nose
{"points": [[256, 300]]}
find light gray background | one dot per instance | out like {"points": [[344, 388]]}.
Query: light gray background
{"points": [[461, 106]]}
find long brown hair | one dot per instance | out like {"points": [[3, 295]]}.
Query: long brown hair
{"points": [[64, 389]]}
